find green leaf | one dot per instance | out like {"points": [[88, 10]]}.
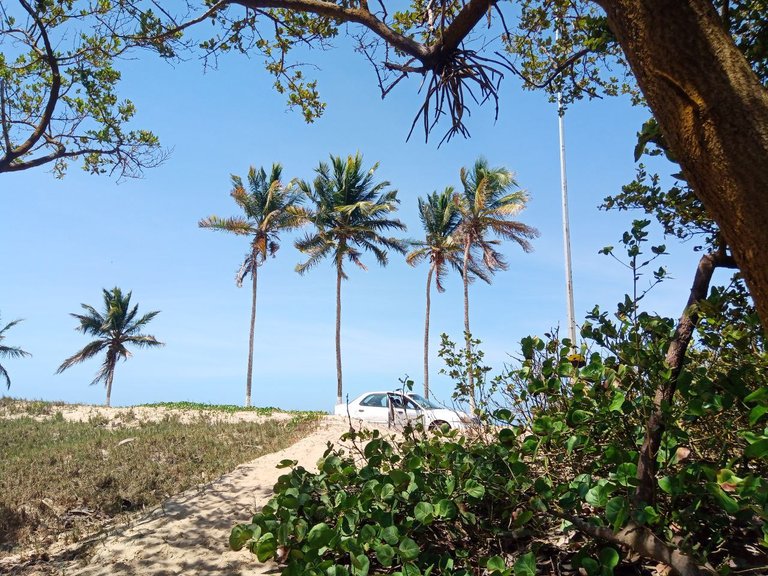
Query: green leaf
{"points": [[240, 535], [757, 449], [730, 505], [320, 535], [390, 535], [446, 509], [757, 395], [474, 489], [609, 558], [408, 549], [756, 413], [360, 565], [525, 565], [496, 564], [597, 496], [387, 491], [384, 554], [617, 512], [266, 547], [617, 401], [424, 512]]}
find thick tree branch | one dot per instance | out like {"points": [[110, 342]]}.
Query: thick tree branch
{"points": [[11, 155], [646, 464]]}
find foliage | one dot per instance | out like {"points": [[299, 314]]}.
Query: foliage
{"points": [[87, 473], [506, 501], [9, 351], [116, 327], [58, 90]]}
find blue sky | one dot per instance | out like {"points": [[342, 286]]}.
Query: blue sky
{"points": [[62, 241]]}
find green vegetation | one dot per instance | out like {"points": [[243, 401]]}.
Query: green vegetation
{"points": [[9, 352], [349, 213], [59, 477], [269, 208], [654, 448], [231, 408], [114, 329]]}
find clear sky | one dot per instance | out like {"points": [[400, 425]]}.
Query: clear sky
{"points": [[62, 241]]}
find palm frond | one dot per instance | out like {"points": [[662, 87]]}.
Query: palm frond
{"points": [[88, 351], [233, 224]]}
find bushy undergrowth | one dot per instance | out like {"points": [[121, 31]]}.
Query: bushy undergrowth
{"points": [[644, 452], [65, 478]]}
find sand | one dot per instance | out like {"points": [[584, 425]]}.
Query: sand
{"points": [[188, 533]]}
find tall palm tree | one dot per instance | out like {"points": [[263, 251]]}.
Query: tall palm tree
{"points": [[9, 352], [116, 327], [350, 212], [269, 208], [487, 203], [440, 217]]}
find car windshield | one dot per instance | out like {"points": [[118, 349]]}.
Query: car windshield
{"points": [[423, 402]]}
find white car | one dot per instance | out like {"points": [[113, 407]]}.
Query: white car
{"points": [[398, 408]]}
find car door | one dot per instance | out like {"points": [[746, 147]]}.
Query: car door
{"points": [[373, 408], [403, 410]]}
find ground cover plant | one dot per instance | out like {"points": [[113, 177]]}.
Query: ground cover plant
{"points": [[62, 479], [644, 453]]}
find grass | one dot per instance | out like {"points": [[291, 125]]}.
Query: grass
{"points": [[61, 479], [228, 408]]}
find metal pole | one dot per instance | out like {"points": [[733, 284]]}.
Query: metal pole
{"points": [[566, 225]]}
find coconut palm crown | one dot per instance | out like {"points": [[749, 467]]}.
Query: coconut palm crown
{"points": [[440, 219], [115, 328], [9, 351], [350, 214], [269, 207]]}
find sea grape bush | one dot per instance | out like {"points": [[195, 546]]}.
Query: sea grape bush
{"points": [[558, 482]]}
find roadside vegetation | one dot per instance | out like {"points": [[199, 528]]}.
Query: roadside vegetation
{"points": [[63, 480]]}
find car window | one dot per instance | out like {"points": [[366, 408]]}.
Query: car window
{"points": [[375, 401]]}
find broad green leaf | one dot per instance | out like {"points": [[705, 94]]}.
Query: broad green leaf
{"points": [[496, 563], [384, 554], [266, 547], [474, 489], [360, 565], [525, 565], [239, 536], [408, 549], [609, 558], [617, 511], [617, 401], [446, 509], [320, 535], [756, 413], [424, 512], [390, 535], [597, 496]]}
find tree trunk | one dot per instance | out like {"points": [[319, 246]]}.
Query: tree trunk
{"points": [[713, 113], [249, 376], [646, 463], [467, 333], [426, 336], [339, 388], [110, 376]]}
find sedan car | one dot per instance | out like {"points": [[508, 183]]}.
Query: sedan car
{"points": [[399, 408]]}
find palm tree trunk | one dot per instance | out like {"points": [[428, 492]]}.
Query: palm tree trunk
{"points": [[249, 376], [338, 336], [467, 333], [426, 336], [110, 376]]}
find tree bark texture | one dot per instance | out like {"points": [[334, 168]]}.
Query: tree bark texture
{"points": [[338, 336], [249, 376], [713, 113], [426, 335]]}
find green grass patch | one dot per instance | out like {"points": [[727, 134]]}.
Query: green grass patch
{"points": [[230, 408], [60, 477]]}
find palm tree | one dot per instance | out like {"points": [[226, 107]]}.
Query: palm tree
{"points": [[440, 217], [350, 214], [486, 204], [114, 329], [269, 208], [9, 352]]}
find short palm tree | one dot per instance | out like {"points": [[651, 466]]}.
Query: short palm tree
{"points": [[9, 352], [440, 217], [269, 208], [487, 203], [115, 328], [350, 212]]}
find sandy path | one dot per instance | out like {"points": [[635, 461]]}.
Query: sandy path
{"points": [[188, 534]]}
